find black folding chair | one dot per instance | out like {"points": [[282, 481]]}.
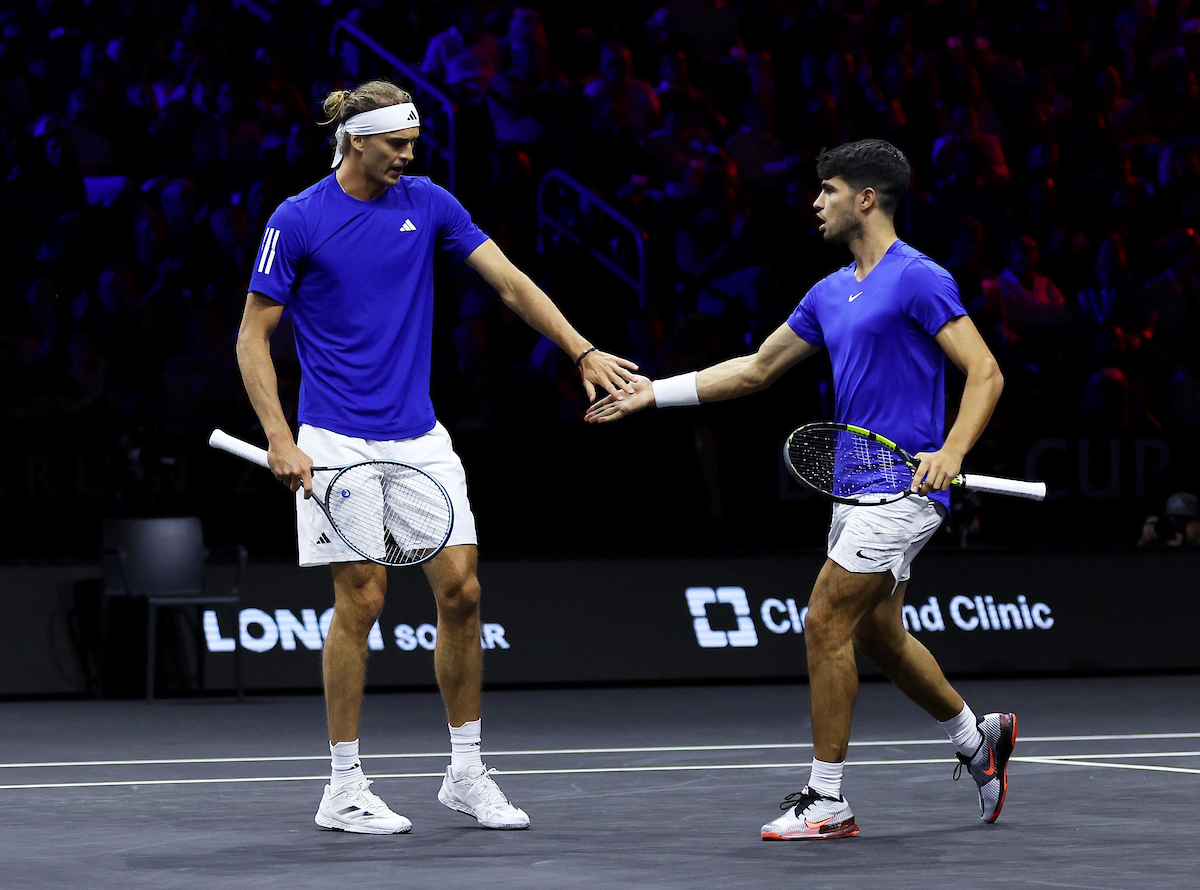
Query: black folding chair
{"points": [[162, 561]]}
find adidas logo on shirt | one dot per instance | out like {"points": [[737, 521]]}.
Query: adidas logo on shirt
{"points": [[324, 539], [408, 226]]}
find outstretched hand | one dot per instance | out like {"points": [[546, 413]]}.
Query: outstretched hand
{"points": [[609, 372], [616, 406]]}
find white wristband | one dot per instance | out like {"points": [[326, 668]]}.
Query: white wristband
{"points": [[677, 391]]}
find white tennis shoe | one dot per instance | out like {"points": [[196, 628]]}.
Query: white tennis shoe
{"points": [[476, 794], [357, 810], [810, 815]]}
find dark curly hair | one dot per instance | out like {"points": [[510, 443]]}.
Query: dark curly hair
{"points": [[869, 163]]}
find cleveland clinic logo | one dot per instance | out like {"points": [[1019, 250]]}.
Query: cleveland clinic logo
{"points": [[699, 598], [722, 617]]}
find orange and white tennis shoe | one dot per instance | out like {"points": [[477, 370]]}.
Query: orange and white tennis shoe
{"points": [[988, 766], [810, 815]]}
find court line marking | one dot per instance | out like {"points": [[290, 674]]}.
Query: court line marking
{"points": [[1124, 756], [896, 743], [1063, 760], [1147, 767], [689, 767]]}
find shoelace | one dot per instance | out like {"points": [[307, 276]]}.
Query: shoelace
{"points": [[362, 794], [799, 797], [964, 760], [485, 786]]}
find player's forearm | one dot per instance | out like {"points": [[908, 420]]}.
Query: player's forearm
{"points": [[980, 395], [538, 311], [730, 379], [738, 376], [262, 386]]}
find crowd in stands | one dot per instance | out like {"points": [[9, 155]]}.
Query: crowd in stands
{"points": [[1177, 526], [1055, 149]]}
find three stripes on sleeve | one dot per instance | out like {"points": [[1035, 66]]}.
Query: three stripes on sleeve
{"points": [[266, 251]]}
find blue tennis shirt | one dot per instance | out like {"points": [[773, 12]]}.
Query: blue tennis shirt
{"points": [[358, 278], [889, 373]]}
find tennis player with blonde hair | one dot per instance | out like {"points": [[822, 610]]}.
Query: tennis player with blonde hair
{"points": [[352, 257]]}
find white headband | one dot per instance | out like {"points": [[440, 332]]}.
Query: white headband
{"points": [[379, 120]]}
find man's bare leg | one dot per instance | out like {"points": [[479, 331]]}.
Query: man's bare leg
{"points": [[881, 636], [348, 804], [839, 601], [359, 589], [458, 657], [984, 744], [458, 662]]}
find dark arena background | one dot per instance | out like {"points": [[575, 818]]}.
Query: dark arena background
{"points": [[652, 166]]}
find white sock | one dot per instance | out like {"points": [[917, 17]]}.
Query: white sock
{"points": [[963, 731], [465, 745], [346, 768], [826, 778]]}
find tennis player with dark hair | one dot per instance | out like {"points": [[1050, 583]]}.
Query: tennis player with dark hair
{"points": [[888, 319], [352, 257]]}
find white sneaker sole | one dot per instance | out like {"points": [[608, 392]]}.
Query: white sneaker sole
{"points": [[467, 811], [330, 824]]}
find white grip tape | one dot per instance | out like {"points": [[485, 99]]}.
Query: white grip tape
{"points": [[225, 442], [676, 392], [1035, 491]]}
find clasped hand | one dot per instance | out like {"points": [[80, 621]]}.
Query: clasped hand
{"points": [[935, 470]]}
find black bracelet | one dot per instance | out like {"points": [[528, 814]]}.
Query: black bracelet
{"points": [[584, 353]]}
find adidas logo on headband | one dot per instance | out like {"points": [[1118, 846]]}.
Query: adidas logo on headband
{"points": [[379, 120]]}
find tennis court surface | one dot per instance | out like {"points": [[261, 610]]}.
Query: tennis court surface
{"points": [[661, 787]]}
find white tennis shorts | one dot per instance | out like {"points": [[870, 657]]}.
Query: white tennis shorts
{"points": [[884, 538], [317, 543]]}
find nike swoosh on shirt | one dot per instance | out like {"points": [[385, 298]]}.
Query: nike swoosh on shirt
{"points": [[856, 296]]}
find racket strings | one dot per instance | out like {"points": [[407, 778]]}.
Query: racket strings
{"points": [[390, 513], [845, 464]]}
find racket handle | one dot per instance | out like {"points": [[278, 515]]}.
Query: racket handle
{"points": [[225, 442], [1017, 488]]}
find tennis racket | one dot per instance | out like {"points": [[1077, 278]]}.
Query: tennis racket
{"points": [[385, 511], [851, 465]]}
